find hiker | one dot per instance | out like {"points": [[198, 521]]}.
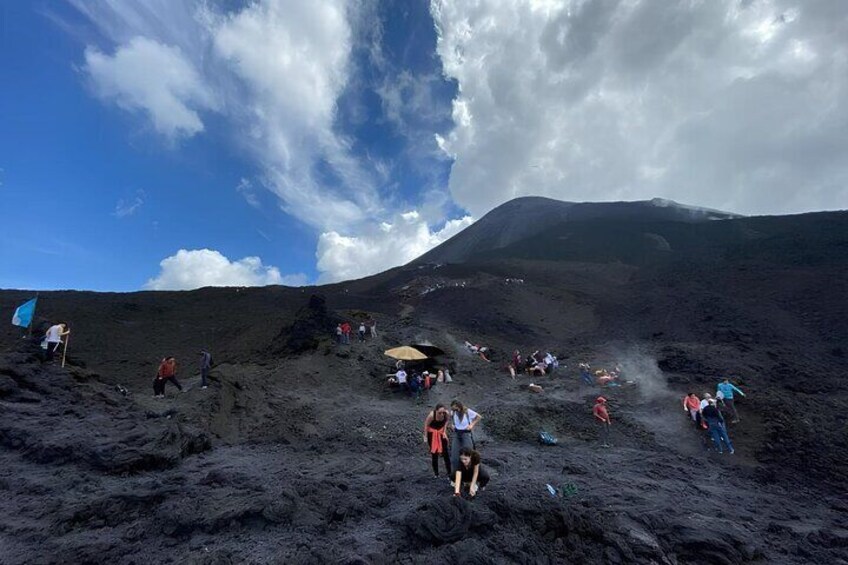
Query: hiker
{"points": [[603, 419], [469, 473], [585, 374], [463, 421], [725, 392], [346, 333], [53, 337], [448, 377], [205, 367], [415, 385], [373, 326], [551, 362], [436, 437], [167, 372], [514, 365], [361, 331], [715, 424], [478, 350], [692, 405], [429, 381], [339, 334], [399, 379]]}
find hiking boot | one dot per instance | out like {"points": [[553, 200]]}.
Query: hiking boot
{"points": [[204, 387], [732, 451]]}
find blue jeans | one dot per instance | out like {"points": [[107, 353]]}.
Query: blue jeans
{"points": [[460, 440], [719, 434]]}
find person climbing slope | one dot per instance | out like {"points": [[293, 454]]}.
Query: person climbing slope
{"points": [[715, 424], [692, 405], [167, 372], [602, 418], [463, 421], [725, 391], [53, 337], [470, 473], [436, 437]]}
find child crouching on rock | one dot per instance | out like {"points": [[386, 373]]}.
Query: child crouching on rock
{"points": [[470, 474]]}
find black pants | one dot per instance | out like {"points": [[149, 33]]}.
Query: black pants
{"points": [[204, 375], [435, 456], [482, 477], [159, 384], [52, 349]]}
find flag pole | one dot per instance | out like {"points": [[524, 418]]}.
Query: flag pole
{"points": [[65, 349], [32, 320]]}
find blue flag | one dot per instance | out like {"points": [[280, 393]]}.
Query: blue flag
{"points": [[24, 314]]}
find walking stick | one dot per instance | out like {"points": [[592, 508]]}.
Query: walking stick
{"points": [[65, 349]]}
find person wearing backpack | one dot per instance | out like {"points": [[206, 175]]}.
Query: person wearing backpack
{"points": [[463, 421]]}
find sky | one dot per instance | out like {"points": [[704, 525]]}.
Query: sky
{"points": [[175, 144]]}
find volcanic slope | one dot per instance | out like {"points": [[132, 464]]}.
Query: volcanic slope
{"points": [[299, 453]]}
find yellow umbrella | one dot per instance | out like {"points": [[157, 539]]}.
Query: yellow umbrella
{"points": [[406, 353]]}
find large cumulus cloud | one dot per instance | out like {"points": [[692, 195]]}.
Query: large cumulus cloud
{"points": [[726, 104]]}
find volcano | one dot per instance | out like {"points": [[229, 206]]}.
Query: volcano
{"points": [[299, 452]]}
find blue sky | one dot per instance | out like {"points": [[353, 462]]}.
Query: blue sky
{"points": [[175, 144]]}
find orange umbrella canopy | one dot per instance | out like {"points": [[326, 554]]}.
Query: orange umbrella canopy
{"points": [[405, 353]]}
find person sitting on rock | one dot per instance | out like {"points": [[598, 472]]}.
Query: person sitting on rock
{"points": [[167, 372], [470, 475], [436, 437]]}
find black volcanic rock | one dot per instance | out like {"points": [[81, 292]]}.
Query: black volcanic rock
{"points": [[527, 217], [298, 452]]}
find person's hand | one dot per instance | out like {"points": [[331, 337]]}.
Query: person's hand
{"points": [[456, 494], [425, 438], [473, 490]]}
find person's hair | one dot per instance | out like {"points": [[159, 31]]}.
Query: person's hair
{"points": [[437, 408], [459, 407], [727, 380], [690, 394], [475, 457]]}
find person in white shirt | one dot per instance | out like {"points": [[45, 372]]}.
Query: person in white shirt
{"points": [[53, 337], [462, 423]]}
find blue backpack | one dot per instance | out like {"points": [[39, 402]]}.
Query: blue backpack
{"points": [[547, 439]]}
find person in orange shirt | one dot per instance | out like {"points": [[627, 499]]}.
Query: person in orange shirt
{"points": [[692, 404], [602, 417], [167, 372]]}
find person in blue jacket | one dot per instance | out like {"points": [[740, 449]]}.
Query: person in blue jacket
{"points": [[725, 392]]}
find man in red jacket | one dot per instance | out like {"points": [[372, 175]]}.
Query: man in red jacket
{"points": [[603, 419], [167, 372]]}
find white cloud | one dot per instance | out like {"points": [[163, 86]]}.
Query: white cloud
{"points": [[128, 207], [292, 60], [384, 246], [726, 104], [190, 269], [246, 189], [145, 75]]}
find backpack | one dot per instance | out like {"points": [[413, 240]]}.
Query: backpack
{"points": [[547, 439]]}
